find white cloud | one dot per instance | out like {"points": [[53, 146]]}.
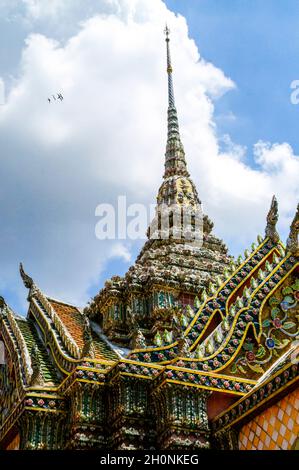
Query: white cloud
{"points": [[2, 91], [107, 138], [37, 9], [119, 250], [235, 150]]}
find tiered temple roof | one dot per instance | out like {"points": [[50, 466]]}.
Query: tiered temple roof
{"points": [[183, 352]]}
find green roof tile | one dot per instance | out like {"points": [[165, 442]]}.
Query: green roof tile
{"points": [[31, 338]]}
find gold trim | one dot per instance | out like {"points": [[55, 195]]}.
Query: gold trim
{"points": [[13, 421], [205, 387], [46, 410], [257, 337], [249, 275], [258, 405], [152, 365], [18, 367], [255, 390], [67, 358], [95, 382], [212, 374], [239, 268], [188, 329], [93, 369], [271, 293], [137, 375]]}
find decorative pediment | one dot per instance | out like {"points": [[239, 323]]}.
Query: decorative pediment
{"points": [[9, 392]]}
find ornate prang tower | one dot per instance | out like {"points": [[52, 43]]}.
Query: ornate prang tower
{"points": [[177, 262]]}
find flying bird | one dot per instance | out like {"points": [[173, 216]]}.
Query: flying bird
{"points": [[59, 97]]}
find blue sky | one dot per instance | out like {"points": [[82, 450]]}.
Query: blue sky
{"points": [[107, 138], [240, 37], [256, 43]]}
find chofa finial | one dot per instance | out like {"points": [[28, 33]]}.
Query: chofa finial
{"points": [[27, 280], [88, 349], [272, 219], [292, 241], [37, 376]]}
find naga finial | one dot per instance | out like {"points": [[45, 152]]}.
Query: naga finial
{"points": [[88, 348], [37, 376], [28, 281], [292, 241], [272, 218]]}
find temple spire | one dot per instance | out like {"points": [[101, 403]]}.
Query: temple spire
{"points": [[169, 70], [175, 163]]}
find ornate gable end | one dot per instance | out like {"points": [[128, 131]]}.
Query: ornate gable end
{"points": [[228, 301], [9, 390], [15, 373], [241, 328], [278, 330], [63, 332]]}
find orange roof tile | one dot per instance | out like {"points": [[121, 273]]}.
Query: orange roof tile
{"points": [[72, 319]]}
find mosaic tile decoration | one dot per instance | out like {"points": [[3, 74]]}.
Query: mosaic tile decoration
{"points": [[277, 428]]}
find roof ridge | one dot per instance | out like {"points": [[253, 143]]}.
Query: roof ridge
{"points": [[52, 299]]}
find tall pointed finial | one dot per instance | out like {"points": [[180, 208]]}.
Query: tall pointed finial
{"points": [[169, 70], [175, 163], [272, 218], [293, 239]]}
